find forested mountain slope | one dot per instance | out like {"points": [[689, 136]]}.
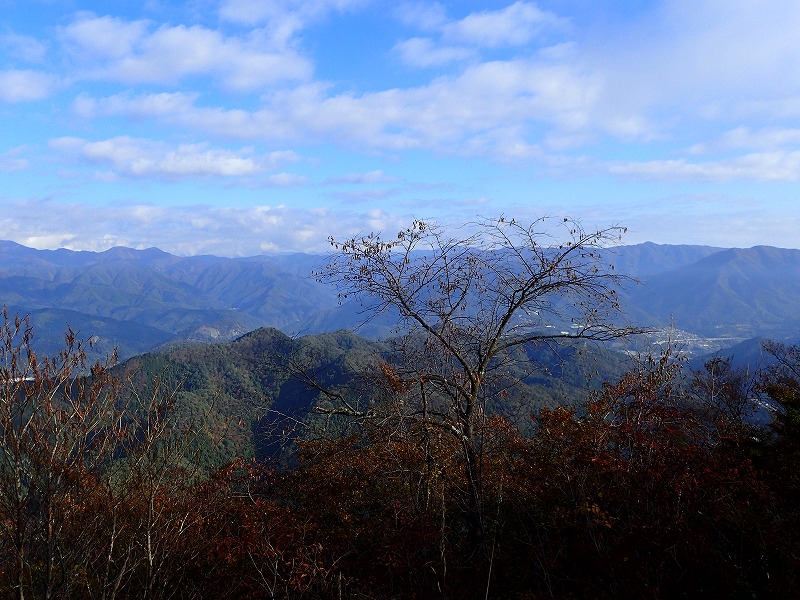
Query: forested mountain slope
{"points": [[257, 392]]}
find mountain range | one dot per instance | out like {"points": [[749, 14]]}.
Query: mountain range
{"points": [[139, 300]]}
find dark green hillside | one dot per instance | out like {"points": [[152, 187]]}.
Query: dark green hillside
{"points": [[250, 392], [246, 392]]}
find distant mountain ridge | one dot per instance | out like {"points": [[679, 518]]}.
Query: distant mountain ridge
{"points": [[138, 300], [728, 293], [159, 297]]}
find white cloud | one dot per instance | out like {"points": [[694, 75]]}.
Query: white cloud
{"points": [[363, 196], [249, 12], [282, 20], [767, 138], [23, 47], [51, 240], [111, 49], [777, 107], [10, 161], [132, 157], [246, 231], [658, 78], [497, 100], [143, 106], [98, 38], [637, 88], [667, 72], [709, 219], [186, 230], [689, 62], [515, 25], [423, 52], [751, 45], [286, 180], [425, 16], [759, 166], [26, 85], [253, 12], [370, 177]]}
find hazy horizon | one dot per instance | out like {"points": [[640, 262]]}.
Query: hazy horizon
{"points": [[277, 253]]}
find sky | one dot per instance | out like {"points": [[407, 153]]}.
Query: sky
{"points": [[243, 127]]}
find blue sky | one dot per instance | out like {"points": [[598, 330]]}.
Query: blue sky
{"points": [[238, 127]]}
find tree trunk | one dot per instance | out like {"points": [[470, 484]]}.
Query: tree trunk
{"points": [[475, 527]]}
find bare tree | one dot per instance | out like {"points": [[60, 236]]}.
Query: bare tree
{"points": [[99, 496], [59, 428], [781, 382], [726, 392], [468, 303]]}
